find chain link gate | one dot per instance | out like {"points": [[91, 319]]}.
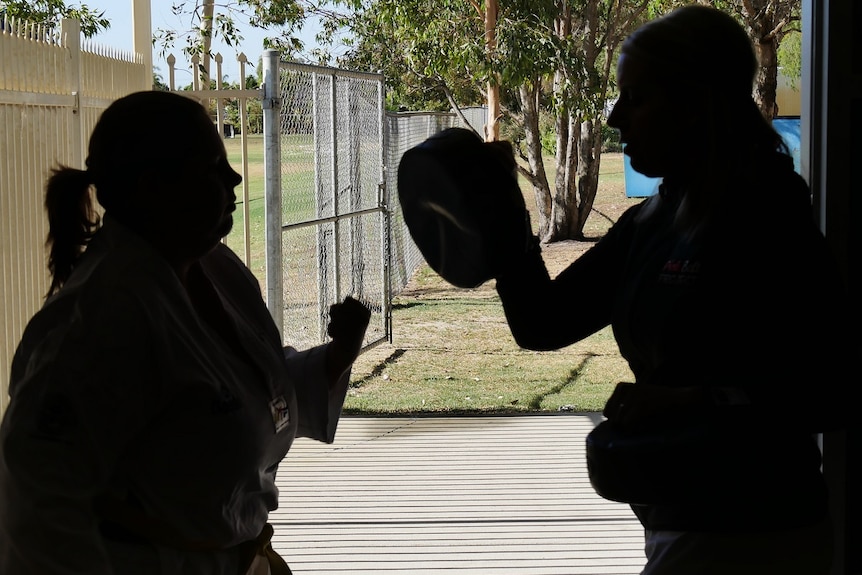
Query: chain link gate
{"points": [[326, 204]]}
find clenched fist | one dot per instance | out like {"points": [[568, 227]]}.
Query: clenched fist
{"points": [[348, 321]]}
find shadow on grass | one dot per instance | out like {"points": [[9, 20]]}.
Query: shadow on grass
{"points": [[534, 406], [536, 402], [378, 369], [407, 305]]}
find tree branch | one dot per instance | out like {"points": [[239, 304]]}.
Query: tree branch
{"points": [[478, 8], [456, 108]]}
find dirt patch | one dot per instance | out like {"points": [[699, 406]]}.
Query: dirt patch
{"points": [[559, 255]]}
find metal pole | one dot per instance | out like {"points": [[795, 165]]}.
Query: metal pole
{"points": [[243, 126], [219, 101], [323, 241], [320, 172], [272, 187], [333, 121], [70, 31], [142, 35], [383, 200]]}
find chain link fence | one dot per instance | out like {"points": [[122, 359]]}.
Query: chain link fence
{"points": [[334, 154], [403, 131], [333, 221]]}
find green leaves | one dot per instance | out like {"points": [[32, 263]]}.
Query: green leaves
{"points": [[50, 12], [207, 21]]}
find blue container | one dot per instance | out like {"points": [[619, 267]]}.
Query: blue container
{"points": [[637, 184], [790, 129], [641, 186]]}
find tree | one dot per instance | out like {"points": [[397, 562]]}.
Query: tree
{"points": [[159, 83], [533, 57], [50, 12], [546, 55], [594, 29], [204, 23], [767, 23], [790, 57], [425, 51]]}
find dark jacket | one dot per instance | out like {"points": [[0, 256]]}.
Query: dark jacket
{"points": [[753, 303]]}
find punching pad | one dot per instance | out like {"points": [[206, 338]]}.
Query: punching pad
{"points": [[462, 205]]}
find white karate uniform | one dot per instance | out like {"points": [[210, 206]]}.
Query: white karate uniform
{"points": [[122, 393]]}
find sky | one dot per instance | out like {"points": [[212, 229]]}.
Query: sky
{"points": [[119, 36]]}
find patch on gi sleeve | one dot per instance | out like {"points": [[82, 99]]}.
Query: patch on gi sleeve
{"points": [[280, 413]]}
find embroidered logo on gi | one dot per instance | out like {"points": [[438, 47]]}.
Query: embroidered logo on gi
{"points": [[280, 413], [679, 272]]}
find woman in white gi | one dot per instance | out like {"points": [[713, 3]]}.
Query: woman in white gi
{"points": [[151, 397]]}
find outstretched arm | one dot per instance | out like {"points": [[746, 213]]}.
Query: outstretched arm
{"points": [[547, 313], [322, 373], [348, 322]]}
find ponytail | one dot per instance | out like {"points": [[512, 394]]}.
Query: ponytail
{"points": [[72, 221]]}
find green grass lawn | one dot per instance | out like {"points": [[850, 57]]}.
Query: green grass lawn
{"points": [[297, 174]]}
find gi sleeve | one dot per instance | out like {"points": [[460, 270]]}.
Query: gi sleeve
{"points": [[319, 403]]}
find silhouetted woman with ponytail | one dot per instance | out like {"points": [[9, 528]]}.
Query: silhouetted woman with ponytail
{"points": [[152, 398]]}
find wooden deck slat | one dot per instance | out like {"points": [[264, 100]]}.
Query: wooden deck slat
{"points": [[456, 495]]}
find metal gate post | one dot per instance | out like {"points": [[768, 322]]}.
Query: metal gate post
{"points": [[272, 187], [336, 208], [328, 268], [383, 201], [70, 32]]}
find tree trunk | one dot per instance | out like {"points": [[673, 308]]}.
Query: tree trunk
{"points": [[566, 140], [492, 130], [206, 31], [538, 178], [766, 83], [564, 206], [587, 174], [767, 22], [579, 100], [578, 142]]}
